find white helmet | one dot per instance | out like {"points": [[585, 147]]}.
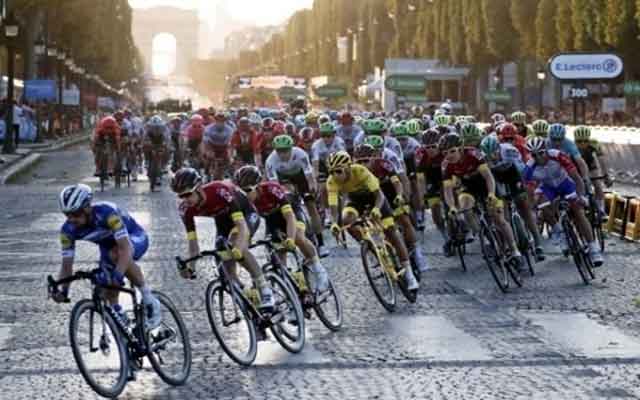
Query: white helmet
{"points": [[446, 107], [75, 197], [535, 144]]}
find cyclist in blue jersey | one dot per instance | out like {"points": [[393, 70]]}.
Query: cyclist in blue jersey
{"points": [[557, 139]]}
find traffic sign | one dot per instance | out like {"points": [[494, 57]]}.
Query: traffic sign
{"points": [[579, 93], [632, 88], [497, 96], [331, 91], [405, 83]]}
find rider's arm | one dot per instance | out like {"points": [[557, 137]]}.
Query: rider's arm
{"points": [[488, 179], [190, 225], [243, 231], [332, 197], [121, 235], [580, 188], [308, 171], [422, 184], [397, 184], [66, 269], [582, 167], [447, 186], [290, 218]]}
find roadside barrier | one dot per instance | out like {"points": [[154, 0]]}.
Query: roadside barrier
{"points": [[624, 215]]}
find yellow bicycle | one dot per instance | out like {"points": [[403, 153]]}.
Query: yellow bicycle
{"points": [[380, 262]]}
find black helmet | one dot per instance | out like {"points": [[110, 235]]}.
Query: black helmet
{"points": [[186, 180], [450, 141], [365, 152], [247, 176], [431, 137]]}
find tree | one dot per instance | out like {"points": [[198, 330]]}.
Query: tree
{"points": [[546, 44], [522, 13]]}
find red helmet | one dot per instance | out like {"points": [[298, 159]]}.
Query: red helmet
{"points": [[279, 128], [346, 118], [508, 131], [197, 119], [108, 124]]}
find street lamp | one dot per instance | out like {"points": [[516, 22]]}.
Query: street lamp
{"points": [[11, 31], [541, 77]]}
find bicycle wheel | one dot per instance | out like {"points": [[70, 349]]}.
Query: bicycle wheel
{"points": [[289, 330], [117, 171], [576, 251], [596, 226], [493, 259], [231, 323], [461, 249], [510, 266], [378, 278], [169, 345], [410, 295], [153, 172], [99, 349], [327, 305]]}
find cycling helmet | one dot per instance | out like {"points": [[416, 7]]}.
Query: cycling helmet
{"points": [[267, 123], [508, 131], [220, 116], [471, 135], [374, 126], [311, 118], [108, 123], [535, 144], [74, 198], [497, 118], [185, 181], [282, 142], [470, 119], [255, 119], [557, 132], [431, 137], [334, 115], [338, 160], [446, 108], [290, 128], [450, 140], [519, 118], [376, 141], [243, 112], [196, 119], [582, 134], [365, 152], [327, 129], [414, 126], [244, 121], [346, 118], [442, 120], [417, 111], [247, 176], [540, 127], [399, 130], [323, 119], [489, 145]]}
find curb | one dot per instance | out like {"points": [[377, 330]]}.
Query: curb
{"points": [[19, 166], [29, 160]]}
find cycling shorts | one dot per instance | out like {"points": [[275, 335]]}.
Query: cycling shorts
{"points": [[566, 188], [358, 208], [277, 224], [139, 242]]}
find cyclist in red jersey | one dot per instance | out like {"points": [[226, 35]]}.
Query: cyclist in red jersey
{"points": [[244, 143], [236, 222], [108, 129], [508, 133], [265, 138]]}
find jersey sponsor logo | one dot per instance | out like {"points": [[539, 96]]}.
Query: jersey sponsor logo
{"points": [[65, 241], [114, 222], [225, 194]]}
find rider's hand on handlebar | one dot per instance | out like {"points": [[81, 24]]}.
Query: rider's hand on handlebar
{"points": [[60, 296], [289, 244], [398, 201], [335, 229], [375, 213]]}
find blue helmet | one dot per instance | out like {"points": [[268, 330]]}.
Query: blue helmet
{"points": [[557, 132], [156, 120]]}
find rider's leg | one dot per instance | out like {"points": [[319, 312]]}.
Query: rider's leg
{"points": [[314, 215], [311, 258], [410, 239], [497, 214], [529, 217], [395, 238], [467, 203]]}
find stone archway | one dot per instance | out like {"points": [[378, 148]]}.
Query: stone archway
{"points": [[164, 54], [183, 25]]}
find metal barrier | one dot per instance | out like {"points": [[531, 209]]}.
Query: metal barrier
{"points": [[624, 215]]}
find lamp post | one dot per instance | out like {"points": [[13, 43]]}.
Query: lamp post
{"points": [[541, 77], [11, 31]]}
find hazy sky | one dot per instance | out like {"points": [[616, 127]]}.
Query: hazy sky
{"points": [[258, 12]]}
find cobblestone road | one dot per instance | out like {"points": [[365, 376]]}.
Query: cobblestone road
{"points": [[552, 339]]}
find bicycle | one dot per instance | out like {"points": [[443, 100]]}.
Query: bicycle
{"points": [[457, 241], [595, 216], [132, 342], [380, 262], [154, 171], [288, 266], [578, 249], [523, 236], [103, 154], [238, 307], [492, 246]]}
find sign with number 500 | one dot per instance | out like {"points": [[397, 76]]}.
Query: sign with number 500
{"points": [[579, 93]]}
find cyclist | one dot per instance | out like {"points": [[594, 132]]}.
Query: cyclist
{"points": [[156, 140], [244, 143], [107, 130], [174, 129], [283, 216], [216, 146], [363, 191], [377, 142], [290, 165], [558, 140], [540, 128], [409, 146], [307, 138], [596, 162], [121, 240], [192, 135], [392, 189], [429, 178], [471, 135], [507, 167], [264, 145], [321, 149], [519, 120], [469, 167], [236, 222], [555, 175], [348, 131], [508, 133], [378, 127]]}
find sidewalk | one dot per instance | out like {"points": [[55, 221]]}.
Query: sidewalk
{"points": [[29, 154]]}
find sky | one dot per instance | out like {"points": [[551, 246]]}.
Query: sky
{"points": [[258, 12]]}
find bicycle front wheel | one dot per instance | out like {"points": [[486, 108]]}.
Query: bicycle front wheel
{"points": [[327, 305], [231, 323], [577, 253], [377, 276], [492, 258], [99, 349], [169, 345], [289, 330]]}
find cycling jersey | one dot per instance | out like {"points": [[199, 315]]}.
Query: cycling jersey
{"points": [[217, 138], [390, 143], [107, 223], [273, 201], [297, 166], [567, 146], [320, 151], [507, 171], [509, 154], [225, 203], [394, 159], [467, 170], [590, 154], [349, 133], [158, 136], [387, 176], [245, 145], [553, 173], [409, 147], [361, 185], [265, 139], [431, 168]]}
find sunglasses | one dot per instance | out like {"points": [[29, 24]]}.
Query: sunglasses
{"points": [[185, 195], [74, 214], [451, 151], [340, 171], [431, 147], [582, 142], [538, 153], [250, 189]]}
